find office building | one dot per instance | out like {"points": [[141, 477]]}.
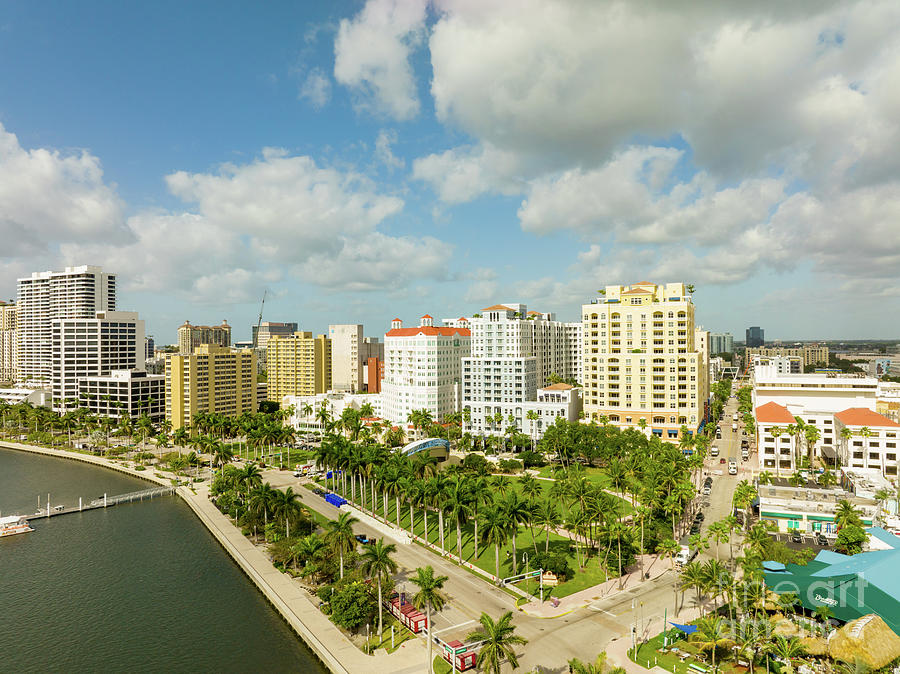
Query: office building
{"points": [[514, 353], [755, 337], [149, 347], [213, 379], [782, 364], [809, 354], [299, 365], [721, 342], [641, 361], [92, 347], [269, 329], [124, 393], [422, 370], [43, 297], [346, 362], [867, 439], [192, 336], [8, 343]]}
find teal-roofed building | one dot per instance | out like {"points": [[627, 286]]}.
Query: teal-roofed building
{"points": [[851, 586]]}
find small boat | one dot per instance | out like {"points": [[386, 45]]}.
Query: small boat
{"points": [[14, 524]]}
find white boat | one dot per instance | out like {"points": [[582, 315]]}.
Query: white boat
{"points": [[14, 524]]}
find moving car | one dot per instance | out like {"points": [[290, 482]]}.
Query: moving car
{"points": [[722, 460], [707, 489], [732, 466]]}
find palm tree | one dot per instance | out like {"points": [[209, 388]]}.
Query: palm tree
{"points": [[692, 576], [458, 506], [547, 517], [712, 633], [378, 565], [339, 536], [495, 531], [287, 504], [845, 514], [428, 597], [516, 512], [786, 649], [261, 501], [498, 640]]}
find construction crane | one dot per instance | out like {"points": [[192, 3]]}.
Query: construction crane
{"points": [[259, 320]]}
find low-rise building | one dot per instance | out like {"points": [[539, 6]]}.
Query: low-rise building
{"points": [[124, 393], [781, 364], [305, 410], [810, 508], [810, 354], [867, 440]]}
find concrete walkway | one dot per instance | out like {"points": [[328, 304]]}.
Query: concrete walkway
{"points": [[652, 566]]}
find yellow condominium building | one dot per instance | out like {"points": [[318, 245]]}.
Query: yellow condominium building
{"points": [[213, 379], [299, 365], [642, 360]]}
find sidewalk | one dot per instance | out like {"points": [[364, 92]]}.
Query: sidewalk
{"points": [[652, 565]]}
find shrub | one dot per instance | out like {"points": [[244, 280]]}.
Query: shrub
{"points": [[353, 605], [532, 459], [554, 562], [510, 465]]}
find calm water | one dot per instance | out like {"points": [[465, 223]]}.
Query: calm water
{"points": [[140, 587]]}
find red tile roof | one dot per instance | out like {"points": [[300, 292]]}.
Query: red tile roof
{"points": [[427, 316], [861, 416], [773, 413], [396, 319], [636, 291], [463, 318], [497, 307], [561, 386], [428, 331]]}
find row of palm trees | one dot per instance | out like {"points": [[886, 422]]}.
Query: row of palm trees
{"points": [[380, 481]]}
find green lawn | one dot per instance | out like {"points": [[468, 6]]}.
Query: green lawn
{"points": [[648, 655], [598, 478], [590, 575]]}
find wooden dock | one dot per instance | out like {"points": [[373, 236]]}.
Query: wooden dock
{"points": [[102, 502]]}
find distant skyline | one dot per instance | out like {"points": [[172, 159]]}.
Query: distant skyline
{"points": [[366, 159]]}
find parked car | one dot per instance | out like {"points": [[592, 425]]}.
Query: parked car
{"points": [[707, 489], [821, 540], [319, 492], [796, 537], [365, 540], [700, 516], [695, 528], [722, 460]]}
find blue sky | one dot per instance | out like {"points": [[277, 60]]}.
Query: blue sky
{"points": [[363, 160]]}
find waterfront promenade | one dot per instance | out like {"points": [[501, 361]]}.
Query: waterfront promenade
{"points": [[297, 608]]}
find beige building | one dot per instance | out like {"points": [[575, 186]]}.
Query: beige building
{"points": [[641, 359], [810, 354], [192, 336], [299, 365], [8, 342], [213, 379]]}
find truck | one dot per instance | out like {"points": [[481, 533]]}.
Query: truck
{"points": [[685, 554]]}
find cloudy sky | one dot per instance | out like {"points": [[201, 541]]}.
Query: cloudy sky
{"points": [[362, 160]]}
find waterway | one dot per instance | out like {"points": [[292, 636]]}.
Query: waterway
{"points": [[140, 587]]}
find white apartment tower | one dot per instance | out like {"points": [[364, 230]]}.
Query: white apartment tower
{"points": [[641, 360], [422, 369], [77, 292], [93, 347], [514, 352]]}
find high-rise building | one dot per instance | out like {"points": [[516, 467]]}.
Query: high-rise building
{"points": [[192, 336], [374, 375], [92, 347], [721, 342], [371, 347], [149, 347], [756, 336], [269, 329], [514, 352], [213, 379], [8, 343], [76, 292], [299, 365], [641, 360], [422, 369], [346, 363]]}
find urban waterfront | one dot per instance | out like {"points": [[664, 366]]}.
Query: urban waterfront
{"points": [[137, 587]]}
